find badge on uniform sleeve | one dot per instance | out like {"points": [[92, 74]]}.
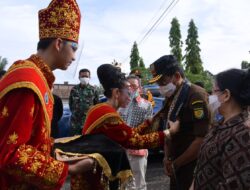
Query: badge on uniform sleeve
{"points": [[198, 113], [198, 109]]}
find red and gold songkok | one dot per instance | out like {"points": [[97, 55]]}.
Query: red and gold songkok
{"points": [[61, 19]]}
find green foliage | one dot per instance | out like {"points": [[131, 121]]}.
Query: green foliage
{"points": [[3, 63], [245, 65], [205, 77], [193, 61], [141, 63], [175, 39], [134, 57], [145, 73]]}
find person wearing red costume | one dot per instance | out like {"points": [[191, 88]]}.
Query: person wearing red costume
{"points": [[104, 119], [26, 105]]}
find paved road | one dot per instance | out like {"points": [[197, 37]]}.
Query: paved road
{"points": [[155, 177]]}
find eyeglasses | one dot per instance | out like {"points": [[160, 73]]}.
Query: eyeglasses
{"points": [[73, 45], [216, 90]]}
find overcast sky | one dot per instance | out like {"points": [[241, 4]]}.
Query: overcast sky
{"points": [[110, 27]]}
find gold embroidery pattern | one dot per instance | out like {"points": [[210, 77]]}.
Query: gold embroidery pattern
{"points": [[36, 63], [4, 112], [44, 71], [60, 20], [37, 91], [33, 164], [115, 119], [151, 140], [12, 139], [23, 159]]}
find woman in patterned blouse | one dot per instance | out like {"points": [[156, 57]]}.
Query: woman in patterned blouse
{"points": [[224, 160]]}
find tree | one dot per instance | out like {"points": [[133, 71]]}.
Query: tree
{"points": [[175, 39], [205, 77], [3, 63], [134, 57], [141, 63], [245, 65], [193, 61]]}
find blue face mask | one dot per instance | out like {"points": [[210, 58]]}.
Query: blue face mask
{"points": [[218, 117]]}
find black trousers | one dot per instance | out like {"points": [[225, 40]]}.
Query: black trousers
{"points": [[184, 177]]}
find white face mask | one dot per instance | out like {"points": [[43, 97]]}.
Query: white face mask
{"points": [[167, 90], [214, 103], [84, 80]]}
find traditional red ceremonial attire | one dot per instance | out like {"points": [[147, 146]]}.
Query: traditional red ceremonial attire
{"points": [[103, 118], [26, 105]]}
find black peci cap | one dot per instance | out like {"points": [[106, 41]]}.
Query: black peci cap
{"points": [[165, 65]]}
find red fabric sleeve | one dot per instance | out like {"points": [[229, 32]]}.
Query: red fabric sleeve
{"points": [[24, 146], [129, 137]]}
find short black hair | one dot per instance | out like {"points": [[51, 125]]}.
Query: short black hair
{"points": [[168, 65], [175, 69], [84, 70], [44, 43], [237, 81]]}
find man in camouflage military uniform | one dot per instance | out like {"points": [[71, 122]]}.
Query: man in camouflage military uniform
{"points": [[82, 96]]}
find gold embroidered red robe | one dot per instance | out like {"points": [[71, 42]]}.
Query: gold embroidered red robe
{"points": [[104, 119], [26, 105]]}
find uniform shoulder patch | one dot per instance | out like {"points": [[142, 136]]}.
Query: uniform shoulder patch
{"points": [[197, 102], [199, 113]]}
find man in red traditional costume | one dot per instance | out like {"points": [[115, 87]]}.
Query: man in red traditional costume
{"points": [[26, 105]]}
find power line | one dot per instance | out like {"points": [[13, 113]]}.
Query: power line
{"points": [[153, 18], [157, 22]]}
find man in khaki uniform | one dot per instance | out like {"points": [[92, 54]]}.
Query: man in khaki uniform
{"points": [[187, 103]]}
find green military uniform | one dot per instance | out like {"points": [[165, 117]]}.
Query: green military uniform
{"points": [[80, 100]]}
